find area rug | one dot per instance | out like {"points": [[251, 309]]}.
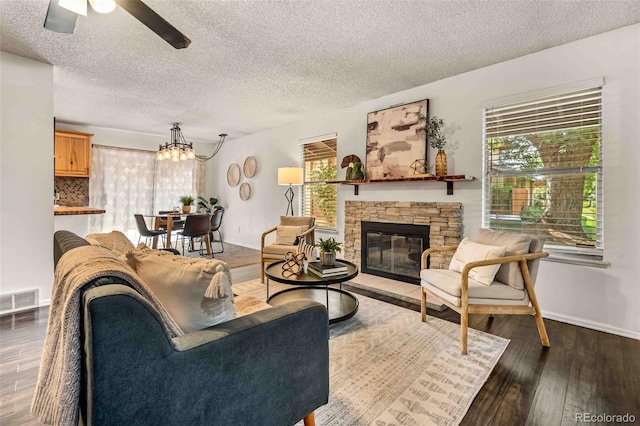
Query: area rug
{"points": [[234, 256], [388, 368]]}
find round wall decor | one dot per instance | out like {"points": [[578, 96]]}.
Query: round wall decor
{"points": [[245, 191], [250, 167], [233, 175]]}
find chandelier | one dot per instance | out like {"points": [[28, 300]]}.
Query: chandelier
{"points": [[179, 149]]}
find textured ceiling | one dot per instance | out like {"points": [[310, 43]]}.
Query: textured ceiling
{"points": [[254, 65]]}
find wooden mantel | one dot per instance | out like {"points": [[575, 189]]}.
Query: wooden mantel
{"points": [[450, 179]]}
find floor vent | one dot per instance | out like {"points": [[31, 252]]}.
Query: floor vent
{"points": [[19, 301]]}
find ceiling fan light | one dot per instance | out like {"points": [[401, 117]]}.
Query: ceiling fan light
{"points": [[103, 6], [77, 6]]}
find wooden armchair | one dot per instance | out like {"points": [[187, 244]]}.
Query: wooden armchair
{"points": [[290, 227], [511, 292]]}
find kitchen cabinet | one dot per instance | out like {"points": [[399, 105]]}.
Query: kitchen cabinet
{"points": [[72, 153]]}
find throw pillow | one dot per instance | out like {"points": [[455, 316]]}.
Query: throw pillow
{"points": [[469, 251], [115, 241], [286, 235], [509, 273], [196, 292]]}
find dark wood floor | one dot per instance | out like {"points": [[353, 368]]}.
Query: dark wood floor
{"points": [[584, 371]]}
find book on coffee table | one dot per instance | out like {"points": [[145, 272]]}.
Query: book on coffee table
{"points": [[321, 270]]}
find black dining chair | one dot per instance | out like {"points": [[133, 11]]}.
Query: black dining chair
{"points": [[216, 221], [145, 232], [197, 226]]}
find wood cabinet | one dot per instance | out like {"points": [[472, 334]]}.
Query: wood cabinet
{"points": [[72, 154]]}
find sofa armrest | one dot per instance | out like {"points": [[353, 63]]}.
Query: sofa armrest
{"points": [[269, 368]]}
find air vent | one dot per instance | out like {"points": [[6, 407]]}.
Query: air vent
{"points": [[18, 301]]}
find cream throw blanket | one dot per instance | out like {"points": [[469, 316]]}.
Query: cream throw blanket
{"points": [[56, 400]]}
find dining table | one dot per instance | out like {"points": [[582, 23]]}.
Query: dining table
{"points": [[167, 220]]}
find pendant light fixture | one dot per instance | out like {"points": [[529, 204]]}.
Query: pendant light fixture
{"points": [[179, 149]]}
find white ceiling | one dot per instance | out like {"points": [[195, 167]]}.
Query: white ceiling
{"points": [[254, 65]]}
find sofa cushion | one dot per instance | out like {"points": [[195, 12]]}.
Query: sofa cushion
{"points": [[509, 273], [287, 235], [115, 241], [469, 251], [196, 292]]}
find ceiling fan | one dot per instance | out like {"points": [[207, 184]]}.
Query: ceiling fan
{"points": [[62, 16]]}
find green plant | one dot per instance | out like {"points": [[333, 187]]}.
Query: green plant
{"points": [[329, 245], [433, 126], [532, 213], [209, 206], [186, 200]]}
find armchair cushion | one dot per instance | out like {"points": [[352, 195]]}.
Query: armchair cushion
{"points": [[509, 273], [469, 251], [287, 235], [196, 292], [276, 251]]}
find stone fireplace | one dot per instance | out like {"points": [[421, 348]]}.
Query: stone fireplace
{"points": [[444, 222]]}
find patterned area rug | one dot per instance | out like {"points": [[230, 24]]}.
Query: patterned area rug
{"points": [[388, 368]]}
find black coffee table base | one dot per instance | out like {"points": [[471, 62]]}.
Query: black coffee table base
{"points": [[341, 304]]}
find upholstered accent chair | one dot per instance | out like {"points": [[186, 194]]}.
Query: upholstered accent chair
{"points": [[493, 275], [288, 234]]}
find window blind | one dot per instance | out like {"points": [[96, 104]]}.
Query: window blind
{"points": [[320, 165], [543, 165]]}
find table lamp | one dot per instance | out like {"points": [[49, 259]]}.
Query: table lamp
{"points": [[290, 176]]}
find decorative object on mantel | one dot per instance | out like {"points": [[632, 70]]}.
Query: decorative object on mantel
{"points": [[348, 162], [180, 149], [290, 176], [358, 172], [187, 201], [233, 175], [250, 167], [328, 249], [421, 168], [437, 140], [245, 191], [395, 138]]}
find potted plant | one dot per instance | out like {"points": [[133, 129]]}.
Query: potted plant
{"points": [[209, 206], [328, 249], [433, 127], [187, 201]]}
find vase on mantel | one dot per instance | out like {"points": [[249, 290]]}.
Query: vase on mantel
{"points": [[441, 163]]}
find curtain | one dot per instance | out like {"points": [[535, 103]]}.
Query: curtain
{"points": [[176, 178], [122, 183]]}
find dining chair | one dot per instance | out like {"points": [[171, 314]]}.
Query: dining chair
{"points": [[144, 231], [177, 224], [197, 226], [216, 221]]}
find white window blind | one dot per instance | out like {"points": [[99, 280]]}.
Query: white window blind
{"points": [[320, 165], [543, 164]]}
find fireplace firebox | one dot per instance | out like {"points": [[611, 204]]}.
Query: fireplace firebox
{"points": [[393, 250]]}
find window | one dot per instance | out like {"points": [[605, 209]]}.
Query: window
{"points": [[543, 164], [320, 165]]}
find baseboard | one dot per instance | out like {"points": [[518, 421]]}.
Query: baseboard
{"points": [[591, 325], [45, 302]]}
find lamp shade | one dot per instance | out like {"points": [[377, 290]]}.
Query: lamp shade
{"points": [[290, 176]]}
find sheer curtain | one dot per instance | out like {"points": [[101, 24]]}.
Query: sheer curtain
{"points": [[125, 182], [122, 184], [174, 179]]}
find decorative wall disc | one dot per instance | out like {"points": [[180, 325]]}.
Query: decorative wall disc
{"points": [[250, 167], [233, 175], [245, 191]]}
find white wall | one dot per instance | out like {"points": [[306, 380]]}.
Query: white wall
{"points": [[606, 299], [26, 176]]}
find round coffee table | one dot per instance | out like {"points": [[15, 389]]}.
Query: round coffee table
{"points": [[340, 304]]}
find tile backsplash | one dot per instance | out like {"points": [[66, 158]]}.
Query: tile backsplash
{"points": [[74, 191]]}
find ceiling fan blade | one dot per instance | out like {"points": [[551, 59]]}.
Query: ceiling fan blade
{"points": [[155, 23], [60, 19]]}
